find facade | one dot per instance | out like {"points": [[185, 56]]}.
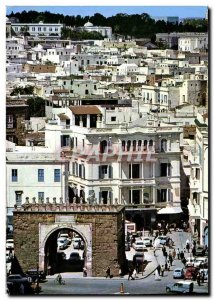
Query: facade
{"points": [[104, 30], [36, 29], [193, 43], [199, 200]]}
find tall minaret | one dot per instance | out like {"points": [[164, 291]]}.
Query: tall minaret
{"points": [[207, 14]]}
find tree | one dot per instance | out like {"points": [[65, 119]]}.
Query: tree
{"points": [[36, 107]]}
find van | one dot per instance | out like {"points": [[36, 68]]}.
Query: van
{"points": [[180, 287], [62, 243]]}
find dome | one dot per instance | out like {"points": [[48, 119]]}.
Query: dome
{"points": [[88, 24]]}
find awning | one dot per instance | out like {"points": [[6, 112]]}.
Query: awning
{"points": [[170, 210]]}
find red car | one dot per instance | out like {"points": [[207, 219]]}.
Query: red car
{"points": [[191, 273]]}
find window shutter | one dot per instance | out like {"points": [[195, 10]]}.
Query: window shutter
{"points": [[169, 169], [76, 169], [62, 141], [110, 171], [100, 196], [169, 195], [73, 168], [80, 170], [83, 171], [100, 174], [110, 195]]}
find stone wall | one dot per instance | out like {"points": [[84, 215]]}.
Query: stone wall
{"points": [[107, 236]]}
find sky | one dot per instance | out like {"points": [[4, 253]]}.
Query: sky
{"points": [[154, 11]]}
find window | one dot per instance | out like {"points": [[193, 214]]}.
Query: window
{"points": [[197, 173], [135, 171], [128, 145], [105, 171], [163, 169], [86, 92], [113, 119], [56, 175], [39, 29], [163, 145], [40, 175], [18, 198], [41, 196], [65, 141], [14, 175]]}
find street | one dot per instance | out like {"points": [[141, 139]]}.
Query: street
{"points": [[141, 286]]}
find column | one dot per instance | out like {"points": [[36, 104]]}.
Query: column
{"points": [[119, 197], [81, 122], [88, 121], [131, 171], [153, 169], [142, 190], [131, 196], [153, 195]]}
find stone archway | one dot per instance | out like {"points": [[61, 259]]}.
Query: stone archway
{"points": [[84, 230]]}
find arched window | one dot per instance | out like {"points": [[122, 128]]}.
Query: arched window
{"points": [[103, 146], [139, 145], [134, 145], [163, 145], [145, 145], [123, 145], [128, 145]]}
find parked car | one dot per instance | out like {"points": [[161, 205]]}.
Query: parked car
{"points": [[162, 239], [201, 262], [9, 244], [74, 257], [178, 273], [17, 278], [34, 274], [62, 243], [200, 250], [191, 273], [180, 287], [139, 245], [78, 243], [147, 242], [66, 236]]}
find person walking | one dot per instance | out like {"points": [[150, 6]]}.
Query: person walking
{"points": [[108, 272], [173, 254], [178, 253], [59, 278], [182, 255], [130, 274], [170, 258], [134, 273], [193, 251], [84, 272], [202, 276], [188, 247], [198, 278], [162, 270], [163, 249], [159, 269]]}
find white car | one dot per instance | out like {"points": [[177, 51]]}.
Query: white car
{"points": [[139, 245], [62, 243], [66, 236], [77, 243], [190, 262], [147, 242], [9, 244], [200, 261]]}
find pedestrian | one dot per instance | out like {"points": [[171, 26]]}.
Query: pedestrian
{"points": [[163, 249], [134, 273], [157, 275], [198, 278], [84, 272], [162, 270], [202, 276], [181, 255], [193, 251], [184, 261], [165, 254], [168, 265], [170, 258], [174, 253], [178, 253], [108, 272], [130, 274], [187, 247], [159, 269]]}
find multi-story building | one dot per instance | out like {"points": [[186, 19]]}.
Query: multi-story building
{"points": [[193, 43], [199, 161], [36, 29], [132, 163]]}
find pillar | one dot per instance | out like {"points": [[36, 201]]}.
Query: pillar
{"points": [[81, 122], [153, 195], [131, 196], [142, 190], [153, 169], [88, 121]]}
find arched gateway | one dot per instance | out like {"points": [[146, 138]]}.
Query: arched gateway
{"points": [[101, 228]]}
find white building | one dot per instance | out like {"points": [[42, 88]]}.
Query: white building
{"points": [[36, 29], [196, 43], [132, 163], [199, 162], [104, 30], [34, 172]]}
